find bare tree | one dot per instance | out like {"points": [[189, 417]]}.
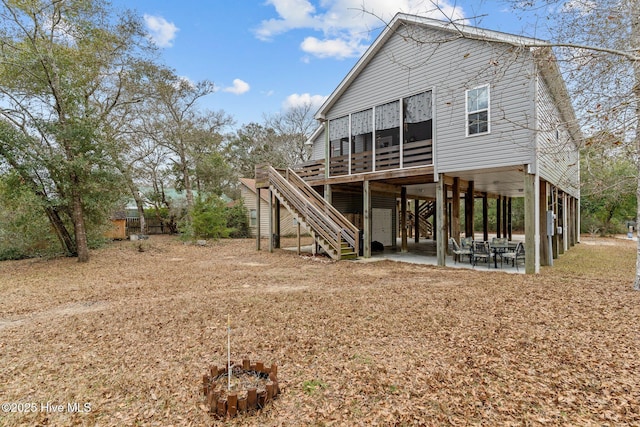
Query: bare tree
{"points": [[253, 144], [293, 127], [154, 172], [598, 46], [176, 124], [130, 161]]}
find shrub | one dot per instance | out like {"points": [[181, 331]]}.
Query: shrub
{"points": [[24, 229], [208, 220], [237, 221]]}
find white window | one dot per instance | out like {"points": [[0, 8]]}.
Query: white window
{"points": [[478, 110], [253, 218]]}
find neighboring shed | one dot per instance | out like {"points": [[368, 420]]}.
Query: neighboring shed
{"points": [[248, 194], [118, 230]]}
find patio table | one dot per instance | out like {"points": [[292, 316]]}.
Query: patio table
{"points": [[498, 249]]}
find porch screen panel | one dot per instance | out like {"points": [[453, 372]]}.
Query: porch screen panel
{"points": [[339, 146], [361, 141], [418, 130], [388, 136]]}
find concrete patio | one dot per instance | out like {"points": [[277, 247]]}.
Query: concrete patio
{"points": [[424, 252]]}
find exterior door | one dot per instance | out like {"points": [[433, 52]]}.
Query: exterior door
{"points": [[382, 226]]}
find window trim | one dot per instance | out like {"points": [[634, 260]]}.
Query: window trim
{"points": [[468, 112], [253, 217]]}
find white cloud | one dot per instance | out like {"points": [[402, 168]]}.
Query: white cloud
{"points": [[239, 87], [297, 100], [335, 48], [293, 14], [345, 25], [161, 32]]}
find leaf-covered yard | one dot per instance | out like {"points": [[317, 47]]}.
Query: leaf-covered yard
{"points": [[131, 334]]}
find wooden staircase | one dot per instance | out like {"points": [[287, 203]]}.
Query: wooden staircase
{"points": [[334, 233], [425, 211]]}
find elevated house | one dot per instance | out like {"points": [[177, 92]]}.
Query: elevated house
{"points": [[440, 114]]}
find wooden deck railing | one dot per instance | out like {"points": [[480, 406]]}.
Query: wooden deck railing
{"points": [[387, 157], [313, 169], [362, 162], [348, 231], [319, 215], [415, 153]]}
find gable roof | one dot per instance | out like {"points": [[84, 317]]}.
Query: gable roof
{"points": [[544, 57], [316, 133], [250, 183]]}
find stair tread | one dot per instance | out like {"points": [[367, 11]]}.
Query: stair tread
{"points": [[344, 250]]}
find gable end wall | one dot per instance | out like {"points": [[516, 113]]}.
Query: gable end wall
{"points": [[558, 159], [317, 150], [403, 67]]}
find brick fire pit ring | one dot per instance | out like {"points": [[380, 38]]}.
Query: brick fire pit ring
{"points": [[252, 387]]}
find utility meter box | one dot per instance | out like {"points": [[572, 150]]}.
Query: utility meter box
{"points": [[550, 226]]}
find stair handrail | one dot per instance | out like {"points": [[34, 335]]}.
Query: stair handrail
{"points": [[315, 216], [328, 230], [427, 208], [324, 219], [424, 212], [327, 221], [349, 231]]}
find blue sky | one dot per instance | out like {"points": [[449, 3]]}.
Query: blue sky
{"points": [[265, 55]]}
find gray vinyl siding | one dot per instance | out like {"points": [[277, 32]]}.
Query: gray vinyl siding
{"points": [[287, 226], [317, 150], [348, 203], [403, 67], [249, 200], [558, 159]]}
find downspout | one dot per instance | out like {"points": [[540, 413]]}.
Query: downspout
{"points": [[327, 149], [401, 106], [536, 219], [533, 166], [350, 142], [434, 127], [373, 140]]}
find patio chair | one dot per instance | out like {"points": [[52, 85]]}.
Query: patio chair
{"points": [[466, 242], [458, 251], [515, 256], [481, 252]]}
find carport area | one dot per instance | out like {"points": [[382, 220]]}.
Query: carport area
{"points": [[424, 252]]}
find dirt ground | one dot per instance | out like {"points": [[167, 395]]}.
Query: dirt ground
{"points": [[126, 338]]}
